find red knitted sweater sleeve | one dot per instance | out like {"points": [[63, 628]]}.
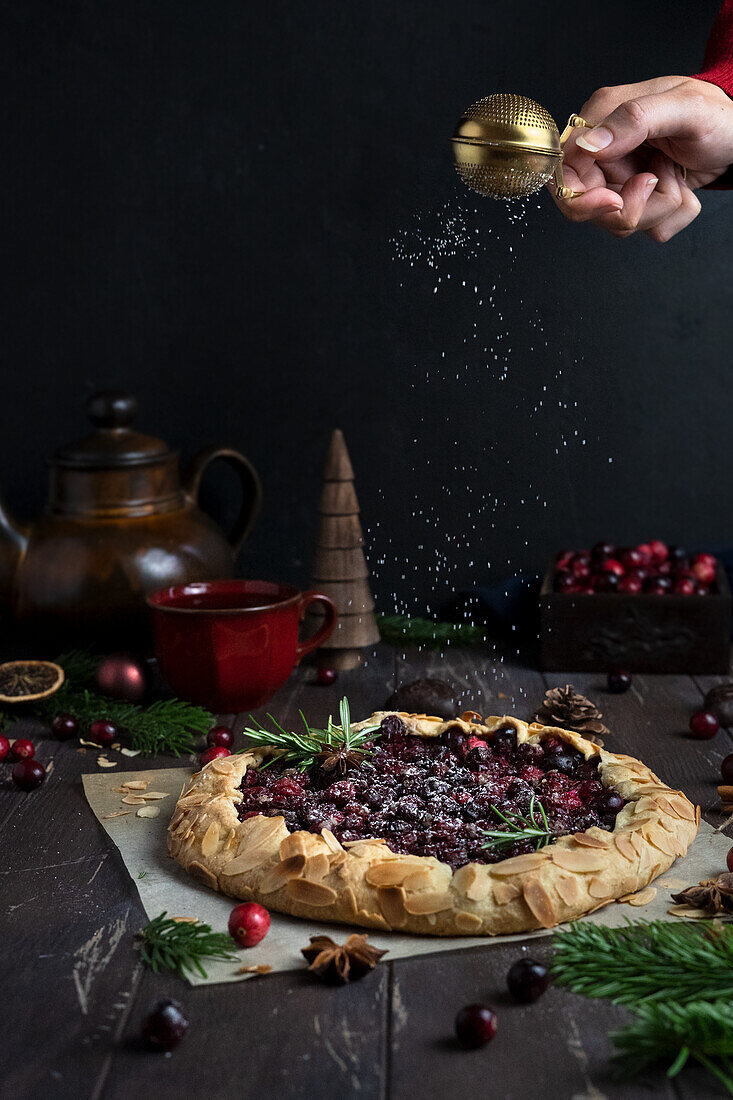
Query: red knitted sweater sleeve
{"points": [[718, 68]]}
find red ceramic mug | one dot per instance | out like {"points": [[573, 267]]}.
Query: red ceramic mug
{"points": [[229, 645]]}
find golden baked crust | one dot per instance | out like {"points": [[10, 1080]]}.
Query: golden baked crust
{"points": [[365, 883]]}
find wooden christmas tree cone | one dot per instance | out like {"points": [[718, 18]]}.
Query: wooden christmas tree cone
{"points": [[339, 566]]}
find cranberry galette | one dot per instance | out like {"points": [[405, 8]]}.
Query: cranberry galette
{"points": [[441, 827]]}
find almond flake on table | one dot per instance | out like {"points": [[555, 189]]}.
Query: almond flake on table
{"points": [[115, 745], [89, 744], [105, 763], [263, 968], [687, 911], [136, 784], [130, 752], [153, 796], [49, 767], [133, 800], [185, 920], [148, 811], [642, 897], [117, 813]]}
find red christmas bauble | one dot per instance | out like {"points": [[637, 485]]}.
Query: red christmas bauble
{"points": [[123, 676]]}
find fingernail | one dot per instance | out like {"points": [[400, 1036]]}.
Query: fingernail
{"points": [[650, 186], [594, 140], [610, 209]]}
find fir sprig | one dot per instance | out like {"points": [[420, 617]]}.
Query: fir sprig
{"points": [[166, 944], [299, 750], [701, 1031], [519, 827], [646, 961], [401, 630], [79, 666]]}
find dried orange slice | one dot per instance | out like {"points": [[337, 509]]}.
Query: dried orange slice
{"points": [[29, 681]]}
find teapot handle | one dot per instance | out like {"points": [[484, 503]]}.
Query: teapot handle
{"points": [[251, 487]]}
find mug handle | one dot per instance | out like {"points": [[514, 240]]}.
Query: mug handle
{"points": [[324, 632], [251, 488]]}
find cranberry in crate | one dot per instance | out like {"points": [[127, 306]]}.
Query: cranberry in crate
{"points": [[646, 608]]}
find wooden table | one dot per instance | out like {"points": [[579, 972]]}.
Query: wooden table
{"points": [[74, 994]]}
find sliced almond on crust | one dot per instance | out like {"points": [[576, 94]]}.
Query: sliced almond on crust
{"points": [[392, 903], [429, 901], [662, 841], [202, 874], [331, 842], [518, 864], [599, 888], [210, 841], [623, 844], [247, 861], [294, 844], [311, 893], [581, 861], [418, 879], [316, 867], [538, 901], [389, 872], [259, 829], [224, 765], [568, 888], [504, 892], [592, 840], [467, 922]]}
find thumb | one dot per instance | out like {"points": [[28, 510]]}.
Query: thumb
{"points": [[664, 115]]}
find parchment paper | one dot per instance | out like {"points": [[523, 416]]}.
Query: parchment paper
{"points": [[163, 885]]}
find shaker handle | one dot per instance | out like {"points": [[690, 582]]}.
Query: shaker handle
{"points": [[251, 487], [324, 632]]}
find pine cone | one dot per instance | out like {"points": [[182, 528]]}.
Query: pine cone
{"points": [[566, 708]]}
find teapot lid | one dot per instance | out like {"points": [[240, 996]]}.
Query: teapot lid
{"points": [[113, 443]]}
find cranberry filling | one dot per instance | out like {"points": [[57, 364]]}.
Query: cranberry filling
{"points": [[437, 797]]}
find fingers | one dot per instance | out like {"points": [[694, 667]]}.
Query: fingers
{"points": [[685, 213], [679, 112]]}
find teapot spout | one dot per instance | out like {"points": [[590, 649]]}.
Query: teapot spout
{"points": [[13, 543]]}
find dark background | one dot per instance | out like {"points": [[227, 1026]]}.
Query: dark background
{"points": [[200, 205]]}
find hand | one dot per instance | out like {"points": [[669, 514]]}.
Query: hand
{"points": [[629, 165]]}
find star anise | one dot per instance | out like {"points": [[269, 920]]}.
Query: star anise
{"points": [[340, 963], [713, 894], [567, 708], [339, 757]]}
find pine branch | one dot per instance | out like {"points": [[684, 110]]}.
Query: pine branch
{"points": [[702, 1031], [299, 750], [80, 666], [401, 630], [519, 828], [166, 944], [646, 962]]}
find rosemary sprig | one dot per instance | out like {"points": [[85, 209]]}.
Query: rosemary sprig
{"points": [[646, 961], [699, 1030], [405, 630], [519, 827], [299, 750], [166, 944]]}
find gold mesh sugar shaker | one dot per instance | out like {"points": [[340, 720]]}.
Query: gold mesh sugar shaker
{"points": [[507, 147]]}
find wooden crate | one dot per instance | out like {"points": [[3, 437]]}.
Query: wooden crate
{"points": [[639, 633]]}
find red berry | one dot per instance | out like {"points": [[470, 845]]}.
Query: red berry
{"points": [[4, 747], [527, 980], [630, 583], [646, 552], [659, 551], [103, 733], [619, 681], [611, 565], [249, 923], [220, 736], [704, 725], [213, 754], [603, 550], [563, 559], [65, 726], [684, 586], [28, 774], [726, 769], [581, 570], [326, 676], [632, 559], [22, 749], [704, 572], [165, 1026], [606, 582], [586, 590], [475, 1026], [729, 860], [707, 559]]}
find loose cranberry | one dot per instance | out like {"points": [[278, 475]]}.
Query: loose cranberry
{"points": [[213, 754], [603, 550], [4, 747], [619, 681], [28, 774], [704, 572], [326, 676], [165, 1026], [704, 725], [684, 586], [705, 559], [564, 580], [220, 736], [103, 733], [22, 749], [729, 860], [631, 584], [65, 726], [726, 769], [632, 559], [475, 1026], [527, 980], [611, 565], [659, 551], [249, 923]]}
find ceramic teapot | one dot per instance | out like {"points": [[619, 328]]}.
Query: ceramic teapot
{"points": [[120, 521]]}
